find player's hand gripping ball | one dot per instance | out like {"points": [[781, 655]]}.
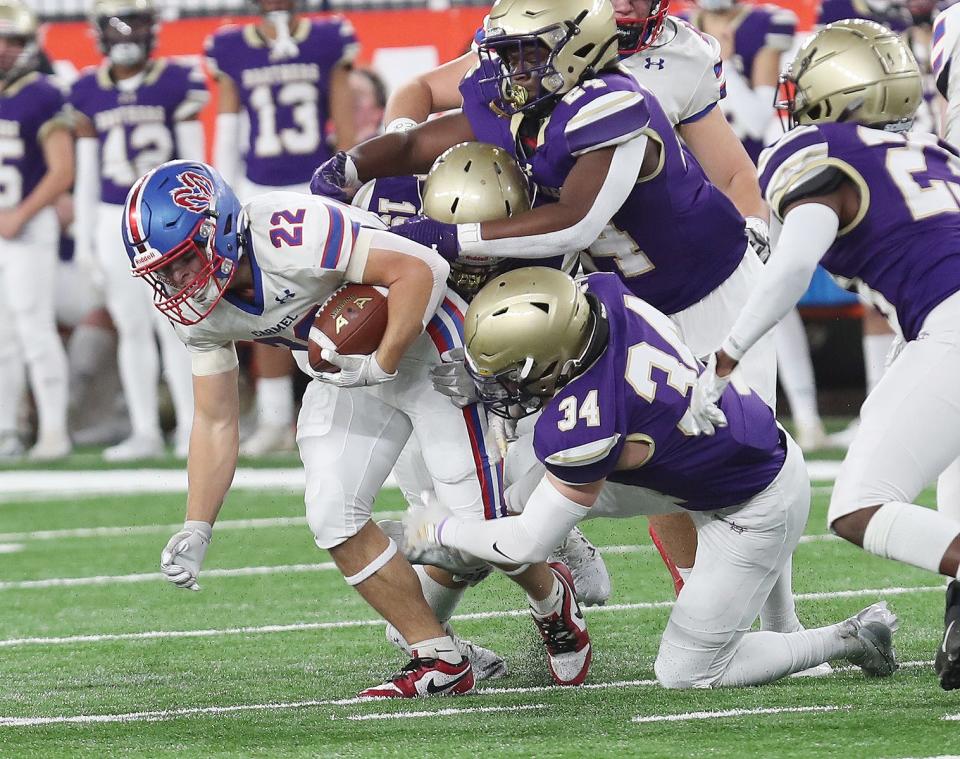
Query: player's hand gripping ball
{"points": [[352, 321]]}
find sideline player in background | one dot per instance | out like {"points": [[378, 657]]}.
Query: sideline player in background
{"points": [[133, 112], [612, 375], [36, 167], [875, 205], [288, 77]]}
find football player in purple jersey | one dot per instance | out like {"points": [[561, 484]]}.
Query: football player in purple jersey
{"points": [[288, 76], [133, 112], [36, 166], [878, 207], [611, 378]]}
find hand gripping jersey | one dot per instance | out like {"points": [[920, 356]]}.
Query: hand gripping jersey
{"points": [[683, 70], [286, 99], [30, 108], [903, 248], [134, 119], [639, 390]]}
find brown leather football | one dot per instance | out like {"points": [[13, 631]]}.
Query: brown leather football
{"points": [[351, 321]]}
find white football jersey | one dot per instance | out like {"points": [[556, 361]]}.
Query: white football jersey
{"points": [[945, 44], [300, 248], [682, 70]]}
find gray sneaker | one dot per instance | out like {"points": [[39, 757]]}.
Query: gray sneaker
{"points": [[487, 664], [873, 628], [585, 563]]}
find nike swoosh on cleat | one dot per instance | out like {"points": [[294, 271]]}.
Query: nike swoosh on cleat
{"points": [[943, 646], [433, 689]]}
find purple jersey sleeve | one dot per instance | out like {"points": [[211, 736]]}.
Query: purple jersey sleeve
{"points": [[601, 113], [393, 199]]}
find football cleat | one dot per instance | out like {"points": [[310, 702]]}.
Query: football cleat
{"points": [[565, 634], [268, 439], [52, 447], [135, 448], [487, 664], [947, 663], [425, 677], [873, 628], [587, 568]]}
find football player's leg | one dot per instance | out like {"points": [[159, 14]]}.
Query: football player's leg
{"points": [[128, 302], [13, 377], [795, 370], [948, 491], [33, 261], [177, 373], [274, 402], [349, 441]]}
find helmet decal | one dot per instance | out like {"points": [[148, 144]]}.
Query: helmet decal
{"points": [[195, 192]]}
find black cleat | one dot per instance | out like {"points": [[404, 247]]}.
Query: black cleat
{"points": [[947, 663]]}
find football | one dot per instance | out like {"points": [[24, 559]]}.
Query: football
{"points": [[351, 321]]}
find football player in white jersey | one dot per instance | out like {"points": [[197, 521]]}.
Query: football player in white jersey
{"points": [[132, 113], [36, 150], [221, 273], [283, 76]]}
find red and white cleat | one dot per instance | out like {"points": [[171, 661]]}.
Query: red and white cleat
{"points": [[565, 634], [425, 677]]}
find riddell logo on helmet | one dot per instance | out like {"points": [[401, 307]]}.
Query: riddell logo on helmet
{"points": [[146, 257], [195, 192]]}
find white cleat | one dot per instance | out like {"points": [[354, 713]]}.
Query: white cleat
{"points": [[487, 664], [270, 438], [135, 448], [585, 563], [873, 628], [811, 436], [564, 633], [51, 448]]}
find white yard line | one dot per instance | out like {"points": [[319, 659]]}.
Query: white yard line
{"points": [[445, 712], [304, 626], [686, 716], [11, 547]]}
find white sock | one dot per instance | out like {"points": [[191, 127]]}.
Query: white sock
{"points": [[948, 491], [441, 599], [795, 369], [779, 612], [275, 401], [552, 603], [763, 657], [875, 349], [911, 534], [178, 373], [438, 648]]}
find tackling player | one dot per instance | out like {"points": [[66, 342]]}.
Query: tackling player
{"points": [[612, 377], [876, 206], [132, 113], [36, 166], [287, 77]]}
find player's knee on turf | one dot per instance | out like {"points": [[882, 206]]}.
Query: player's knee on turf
{"points": [[693, 659]]}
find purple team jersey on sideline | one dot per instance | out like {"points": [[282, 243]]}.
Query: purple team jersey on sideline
{"points": [[639, 390], [904, 243], [897, 18], [135, 127], [29, 107], [676, 238], [287, 98]]}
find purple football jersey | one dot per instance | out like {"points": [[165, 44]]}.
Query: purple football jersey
{"points": [[639, 390], [286, 99], [676, 237], [134, 119], [895, 17], [29, 108], [903, 248], [393, 199]]}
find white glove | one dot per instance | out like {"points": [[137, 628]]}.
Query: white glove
{"points": [[758, 235], [355, 371], [422, 527], [181, 558], [504, 431], [452, 379], [705, 413]]}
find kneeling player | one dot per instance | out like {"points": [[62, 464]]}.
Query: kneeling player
{"points": [[612, 378]]}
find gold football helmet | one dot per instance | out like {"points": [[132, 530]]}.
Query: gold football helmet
{"points": [[526, 334], [126, 29], [853, 70], [474, 182], [17, 22], [579, 38]]}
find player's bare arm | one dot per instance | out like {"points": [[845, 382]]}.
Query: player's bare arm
{"points": [[58, 154], [411, 152], [432, 92], [341, 107]]}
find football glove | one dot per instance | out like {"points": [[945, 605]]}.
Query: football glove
{"points": [[182, 557], [452, 379], [336, 178], [355, 371], [422, 528], [440, 236], [705, 413], [758, 235]]}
